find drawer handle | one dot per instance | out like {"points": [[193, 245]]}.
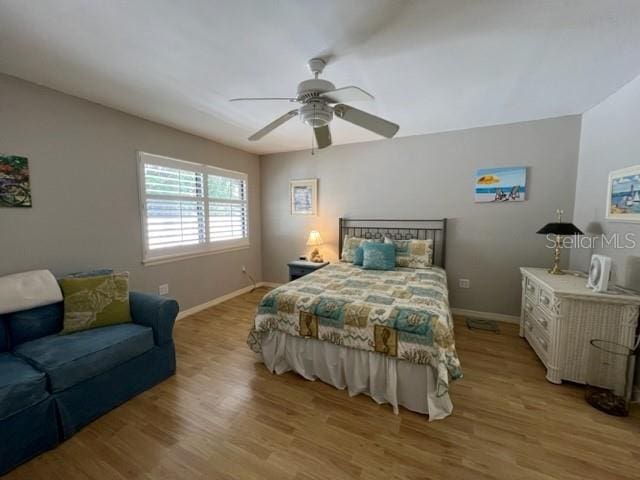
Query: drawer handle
{"points": [[529, 307], [546, 300], [530, 287], [528, 325], [543, 342], [544, 322]]}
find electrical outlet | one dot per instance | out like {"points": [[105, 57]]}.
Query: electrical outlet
{"points": [[464, 283], [163, 289], [244, 269]]}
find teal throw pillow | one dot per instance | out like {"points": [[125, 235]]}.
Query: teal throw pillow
{"points": [[379, 256], [358, 256]]}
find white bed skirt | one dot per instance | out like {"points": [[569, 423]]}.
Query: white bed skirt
{"points": [[383, 378]]}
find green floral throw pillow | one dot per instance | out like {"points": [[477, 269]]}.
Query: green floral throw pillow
{"points": [[95, 302]]}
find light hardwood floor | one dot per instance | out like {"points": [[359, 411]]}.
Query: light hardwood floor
{"points": [[223, 416]]}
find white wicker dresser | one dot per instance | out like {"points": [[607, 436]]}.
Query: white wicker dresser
{"points": [[560, 315]]}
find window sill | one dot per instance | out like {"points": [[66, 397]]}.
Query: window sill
{"points": [[185, 256]]}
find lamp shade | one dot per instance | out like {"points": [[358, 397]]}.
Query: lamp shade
{"points": [[560, 228], [314, 239]]}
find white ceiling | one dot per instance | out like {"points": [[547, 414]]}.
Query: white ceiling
{"points": [[432, 65]]}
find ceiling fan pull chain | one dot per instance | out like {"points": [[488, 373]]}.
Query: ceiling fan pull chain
{"points": [[313, 133]]}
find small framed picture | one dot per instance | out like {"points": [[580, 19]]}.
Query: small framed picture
{"points": [[304, 196], [15, 188], [623, 195]]}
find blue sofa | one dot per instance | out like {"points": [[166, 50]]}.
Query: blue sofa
{"points": [[52, 385]]}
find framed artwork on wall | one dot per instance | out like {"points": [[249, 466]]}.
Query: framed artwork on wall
{"points": [[304, 196], [623, 195], [503, 184], [15, 188]]}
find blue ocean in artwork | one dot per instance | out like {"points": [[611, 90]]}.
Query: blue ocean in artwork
{"points": [[625, 195], [501, 184]]}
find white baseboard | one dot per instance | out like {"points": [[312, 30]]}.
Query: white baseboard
{"points": [[270, 284], [223, 298], [498, 317]]}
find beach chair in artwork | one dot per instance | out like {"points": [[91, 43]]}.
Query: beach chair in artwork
{"points": [[515, 192], [500, 196]]}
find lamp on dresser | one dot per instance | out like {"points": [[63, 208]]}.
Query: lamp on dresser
{"points": [[559, 229]]}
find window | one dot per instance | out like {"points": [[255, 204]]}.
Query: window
{"points": [[190, 209]]}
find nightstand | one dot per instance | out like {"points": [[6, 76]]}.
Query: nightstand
{"points": [[300, 268]]}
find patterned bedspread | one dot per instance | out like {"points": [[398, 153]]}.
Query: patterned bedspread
{"points": [[402, 313]]}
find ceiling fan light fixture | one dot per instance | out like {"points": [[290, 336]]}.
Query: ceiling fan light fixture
{"points": [[316, 114]]}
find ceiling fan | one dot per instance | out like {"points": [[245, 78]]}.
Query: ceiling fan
{"points": [[320, 100]]}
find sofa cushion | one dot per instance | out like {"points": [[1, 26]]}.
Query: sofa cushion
{"points": [[34, 323], [20, 385], [71, 359]]}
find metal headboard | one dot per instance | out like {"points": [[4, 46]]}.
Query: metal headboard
{"points": [[376, 229]]}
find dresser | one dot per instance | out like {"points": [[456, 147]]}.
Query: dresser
{"points": [[560, 316]]}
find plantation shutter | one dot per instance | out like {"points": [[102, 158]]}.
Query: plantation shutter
{"points": [[174, 207], [227, 208], [190, 209]]}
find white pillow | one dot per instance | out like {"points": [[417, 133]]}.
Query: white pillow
{"points": [[22, 291]]}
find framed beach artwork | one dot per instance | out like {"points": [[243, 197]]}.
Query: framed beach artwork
{"points": [[623, 195], [304, 196], [499, 185], [15, 188]]}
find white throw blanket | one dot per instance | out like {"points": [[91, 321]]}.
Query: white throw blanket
{"points": [[22, 291]]}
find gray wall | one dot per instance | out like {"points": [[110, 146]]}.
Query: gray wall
{"points": [[609, 141], [432, 176], [85, 211]]}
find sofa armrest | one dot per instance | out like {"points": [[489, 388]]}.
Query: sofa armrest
{"points": [[156, 312]]}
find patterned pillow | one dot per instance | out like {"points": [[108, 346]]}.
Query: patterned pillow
{"points": [[413, 253], [379, 256], [97, 301], [350, 245]]}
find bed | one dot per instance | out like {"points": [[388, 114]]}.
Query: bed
{"points": [[387, 334]]}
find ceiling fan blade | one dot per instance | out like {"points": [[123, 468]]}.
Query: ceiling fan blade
{"points": [[346, 94], [366, 120], [273, 125], [323, 136], [288, 99]]}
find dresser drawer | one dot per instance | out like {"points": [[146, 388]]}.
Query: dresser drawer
{"points": [[543, 320], [536, 337], [529, 305], [545, 299], [531, 290]]}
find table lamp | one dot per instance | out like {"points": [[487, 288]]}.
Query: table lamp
{"points": [[314, 240], [559, 229]]}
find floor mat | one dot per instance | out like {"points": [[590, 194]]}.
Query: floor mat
{"points": [[480, 324]]}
